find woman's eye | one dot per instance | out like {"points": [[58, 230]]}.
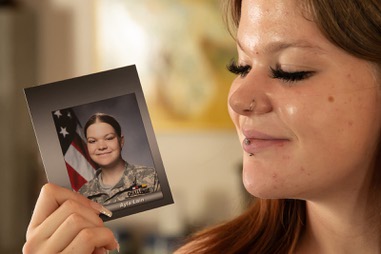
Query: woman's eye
{"points": [[241, 70], [285, 76], [91, 141], [110, 138]]}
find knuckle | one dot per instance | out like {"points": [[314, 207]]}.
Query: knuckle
{"points": [[98, 222], [71, 205], [27, 248], [86, 235], [33, 243], [108, 234], [30, 247], [47, 189], [75, 220]]}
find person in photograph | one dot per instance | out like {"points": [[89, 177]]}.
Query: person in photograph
{"points": [[115, 180], [306, 104]]}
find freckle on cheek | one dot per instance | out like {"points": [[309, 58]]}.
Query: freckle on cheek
{"points": [[331, 99]]}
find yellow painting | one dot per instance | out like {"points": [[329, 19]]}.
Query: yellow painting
{"points": [[181, 49]]}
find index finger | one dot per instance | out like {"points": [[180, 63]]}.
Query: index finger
{"points": [[52, 196]]}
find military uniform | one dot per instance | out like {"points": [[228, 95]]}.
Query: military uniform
{"points": [[136, 180]]}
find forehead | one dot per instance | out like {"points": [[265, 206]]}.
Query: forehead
{"points": [[100, 128], [269, 25]]}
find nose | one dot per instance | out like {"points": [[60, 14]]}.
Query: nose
{"points": [[247, 97], [102, 145]]}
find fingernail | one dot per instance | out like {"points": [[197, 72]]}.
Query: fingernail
{"points": [[106, 251], [100, 208], [117, 246]]}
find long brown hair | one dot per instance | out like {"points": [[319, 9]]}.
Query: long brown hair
{"points": [[274, 226]]}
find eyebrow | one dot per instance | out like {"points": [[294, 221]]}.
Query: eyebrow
{"points": [[277, 46], [111, 133]]}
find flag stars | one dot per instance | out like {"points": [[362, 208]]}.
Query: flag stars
{"points": [[64, 132], [58, 113]]}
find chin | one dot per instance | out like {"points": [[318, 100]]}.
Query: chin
{"points": [[262, 186], [266, 194], [109, 164], [271, 190], [263, 193]]}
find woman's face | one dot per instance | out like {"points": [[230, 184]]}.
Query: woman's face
{"points": [[310, 111], [103, 144]]}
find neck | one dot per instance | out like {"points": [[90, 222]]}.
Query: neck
{"points": [[112, 174], [346, 222]]}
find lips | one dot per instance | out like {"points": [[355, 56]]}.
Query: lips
{"points": [[256, 141], [101, 154]]}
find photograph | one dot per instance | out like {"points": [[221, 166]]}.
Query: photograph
{"points": [[96, 138]]}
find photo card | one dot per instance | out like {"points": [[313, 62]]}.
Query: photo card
{"points": [[95, 137]]}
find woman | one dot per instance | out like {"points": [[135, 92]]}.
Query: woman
{"points": [[307, 108], [115, 180]]}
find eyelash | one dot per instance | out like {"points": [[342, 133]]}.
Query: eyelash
{"points": [[93, 141], [276, 73], [236, 69]]}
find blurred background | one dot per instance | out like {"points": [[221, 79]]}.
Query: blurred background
{"points": [[180, 48]]}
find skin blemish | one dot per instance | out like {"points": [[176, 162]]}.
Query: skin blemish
{"points": [[302, 169], [331, 99], [286, 157], [350, 123]]}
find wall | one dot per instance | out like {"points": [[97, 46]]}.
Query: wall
{"points": [[18, 155], [53, 40]]}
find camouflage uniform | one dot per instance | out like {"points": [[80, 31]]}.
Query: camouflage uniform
{"points": [[136, 180]]}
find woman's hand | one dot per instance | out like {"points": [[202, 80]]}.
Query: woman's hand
{"points": [[66, 222]]}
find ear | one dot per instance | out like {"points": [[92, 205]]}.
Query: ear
{"points": [[121, 142]]}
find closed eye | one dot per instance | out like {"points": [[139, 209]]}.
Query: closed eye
{"points": [[241, 70], [285, 76]]}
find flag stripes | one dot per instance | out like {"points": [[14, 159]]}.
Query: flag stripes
{"points": [[79, 165]]}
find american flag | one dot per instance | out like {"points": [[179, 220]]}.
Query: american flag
{"points": [[80, 167]]}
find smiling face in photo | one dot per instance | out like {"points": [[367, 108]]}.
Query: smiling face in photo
{"points": [[103, 144], [307, 113]]}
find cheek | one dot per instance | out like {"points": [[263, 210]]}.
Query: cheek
{"points": [[233, 115], [333, 127], [115, 145], [293, 114], [90, 148], [290, 112]]}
